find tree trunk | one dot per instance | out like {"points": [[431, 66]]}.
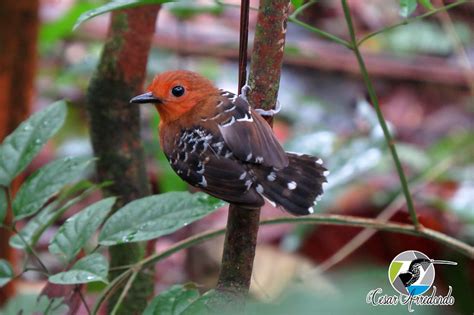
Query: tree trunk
{"points": [[18, 38], [264, 80], [115, 129]]}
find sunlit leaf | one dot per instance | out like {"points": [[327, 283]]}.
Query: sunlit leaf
{"points": [[154, 216], [173, 301], [115, 5], [89, 269], [46, 182], [407, 7], [3, 205], [6, 272], [22, 145], [77, 230]]}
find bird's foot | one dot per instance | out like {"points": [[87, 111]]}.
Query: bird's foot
{"points": [[244, 92], [270, 112]]}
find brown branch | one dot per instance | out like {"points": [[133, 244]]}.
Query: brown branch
{"points": [[115, 128], [264, 78]]}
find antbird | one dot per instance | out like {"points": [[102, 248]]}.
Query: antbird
{"points": [[216, 141]]}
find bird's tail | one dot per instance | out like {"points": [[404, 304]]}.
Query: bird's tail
{"points": [[297, 187]]}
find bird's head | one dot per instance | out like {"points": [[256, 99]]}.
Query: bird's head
{"points": [[176, 92]]}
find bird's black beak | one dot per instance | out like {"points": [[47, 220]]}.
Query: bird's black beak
{"points": [[146, 98]]}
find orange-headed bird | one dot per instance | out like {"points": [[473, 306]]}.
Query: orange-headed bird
{"points": [[216, 141]]}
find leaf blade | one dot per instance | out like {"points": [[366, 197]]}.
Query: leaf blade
{"points": [[24, 143], [78, 229], [3, 205], [155, 216], [91, 268], [407, 7], [45, 182], [115, 5], [47, 216], [173, 301], [6, 272]]}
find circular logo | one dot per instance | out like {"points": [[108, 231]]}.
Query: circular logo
{"points": [[411, 273]]}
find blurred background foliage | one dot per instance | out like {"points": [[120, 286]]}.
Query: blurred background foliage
{"points": [[426, 95]]}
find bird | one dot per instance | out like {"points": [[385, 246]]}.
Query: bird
{"points": [[414, 270], [413, 273], [216, 141]]}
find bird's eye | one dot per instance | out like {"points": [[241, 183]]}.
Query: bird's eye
{"points": [[177, 91]]}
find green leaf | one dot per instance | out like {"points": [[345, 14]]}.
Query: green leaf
{"points": [[115, 5], [22, 145], [3, 204], [427, 4], [62, 27], [203, 305], [46, 182], [297, 3], [407, 7], [154, 216], [78, 229], [89, 269], [38, 224], [173, 301], [6, 272]]}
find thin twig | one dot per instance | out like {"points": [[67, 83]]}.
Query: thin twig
{"points": [[384, 216], [324, 219], [110, 289], [30, 250], [410, 20], [320, 32], [383, 124], [81, 296], [122, 296], [459, 49]]}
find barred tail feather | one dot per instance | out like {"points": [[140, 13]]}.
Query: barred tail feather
{"points": [[296, 187]]}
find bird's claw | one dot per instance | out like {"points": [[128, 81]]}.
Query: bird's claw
{"points": [[244, 92], [270, 112]]}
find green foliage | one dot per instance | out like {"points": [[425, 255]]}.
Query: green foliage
{"points": [[62, 27], [46, 182], [77, 230], [115, 5], [88, 269], [407, 7], [22, 145], [154, 216], [47, 216], [6, 272], [173, 301], [34, 304], [427, 4], [297, 3], [3, 205], [183, 300]]}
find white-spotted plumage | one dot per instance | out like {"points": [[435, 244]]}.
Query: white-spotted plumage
{"points": [[234, 156], [292, 185]]}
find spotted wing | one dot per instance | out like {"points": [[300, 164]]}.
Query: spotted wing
{"points": [[247, 134], [205, 161]]}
